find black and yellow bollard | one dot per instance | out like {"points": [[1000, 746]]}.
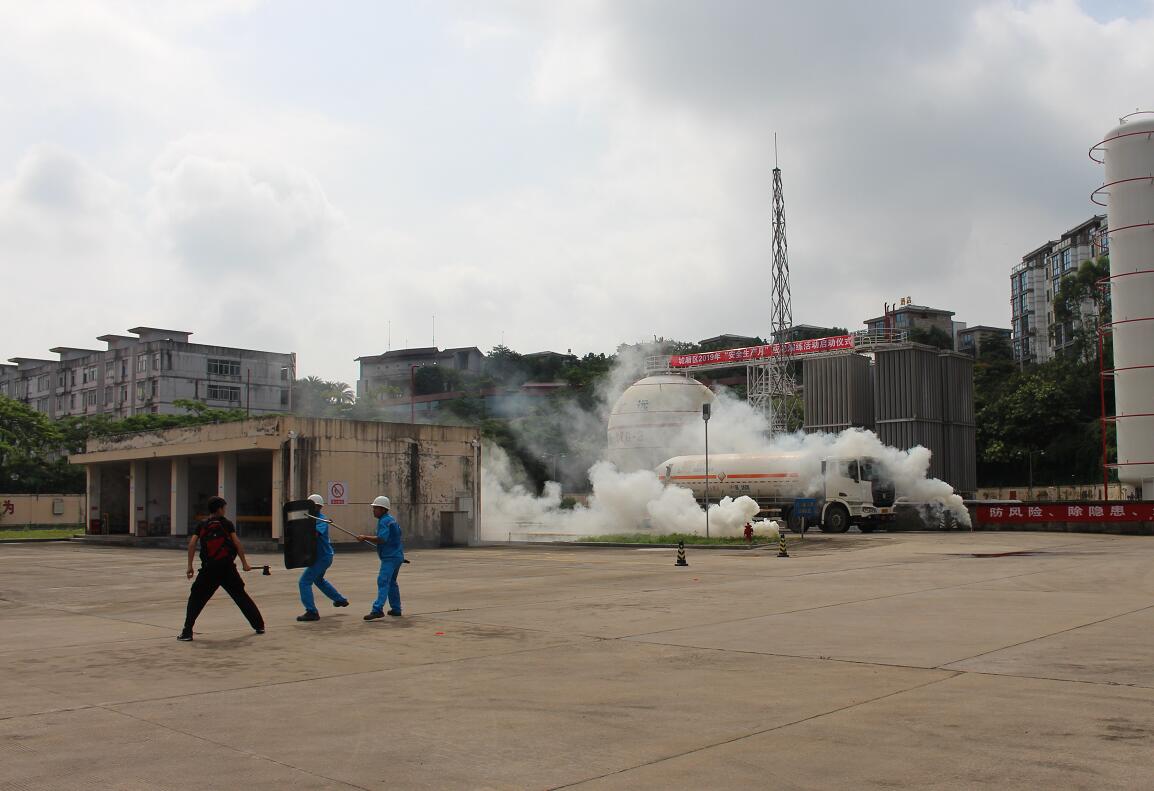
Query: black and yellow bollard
{"points": [[681, 561], [781, 553]]}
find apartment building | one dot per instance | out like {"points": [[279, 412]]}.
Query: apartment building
{"points": [[1037, 337], [391, 374], [146, 372], [908, 316]]}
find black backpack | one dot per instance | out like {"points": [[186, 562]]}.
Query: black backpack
{"points": [[216, 546]]}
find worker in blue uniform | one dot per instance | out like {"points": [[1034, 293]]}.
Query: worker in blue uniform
{"points": [[315, 574], [391, 551]]}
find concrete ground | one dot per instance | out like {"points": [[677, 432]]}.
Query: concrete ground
{"points": [[884, 661]]}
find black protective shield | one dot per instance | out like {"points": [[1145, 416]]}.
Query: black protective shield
{"points": [[300, 534]]}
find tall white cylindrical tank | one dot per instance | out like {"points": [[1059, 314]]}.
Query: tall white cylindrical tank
{"points": [[1128, 153], [649, 417]]}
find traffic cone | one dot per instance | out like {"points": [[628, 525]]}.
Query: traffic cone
{"points": [[781, 553], [681, 561]]}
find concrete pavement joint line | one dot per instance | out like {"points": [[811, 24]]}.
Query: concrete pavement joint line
{"points": [[872, 663], [739, 578], [238, 750], [1046, 636], [845, 603], [311, 679], [762, 732], [30, 714]]}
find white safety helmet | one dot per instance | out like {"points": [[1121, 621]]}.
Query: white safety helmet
{"points": [[381, 502], [316, 498]]}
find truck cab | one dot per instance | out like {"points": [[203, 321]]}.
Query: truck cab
{"points": [[855, 493]]}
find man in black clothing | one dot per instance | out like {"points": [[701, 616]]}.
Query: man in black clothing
{"points": [[219, 545]]}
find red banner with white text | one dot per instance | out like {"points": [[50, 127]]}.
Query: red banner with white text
{"points": [[1067, 512], [748, 353]]}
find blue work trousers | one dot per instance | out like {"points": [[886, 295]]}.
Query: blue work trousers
{"points": [[315, 575], [387, 585]]}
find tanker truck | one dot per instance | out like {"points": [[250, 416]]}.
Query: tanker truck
{"points": [[848, 491]]}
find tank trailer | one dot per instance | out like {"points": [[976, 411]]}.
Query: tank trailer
{"points": [[849, 491]]}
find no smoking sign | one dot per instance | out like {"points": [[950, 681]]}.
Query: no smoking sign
{"points": [[338, 493]]}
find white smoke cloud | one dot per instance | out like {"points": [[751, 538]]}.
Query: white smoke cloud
{"points": [[637, 501]]}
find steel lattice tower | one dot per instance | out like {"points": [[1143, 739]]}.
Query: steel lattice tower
{"points": [[771, 385]]}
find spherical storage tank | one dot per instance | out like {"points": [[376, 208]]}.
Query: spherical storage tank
{"points": [[649, 415], [1128, 153]]}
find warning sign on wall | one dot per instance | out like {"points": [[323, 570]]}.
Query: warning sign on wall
{"points": [[338, 493]]}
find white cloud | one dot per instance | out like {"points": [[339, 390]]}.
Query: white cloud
{"points": [[563, 175], [227, 215]]}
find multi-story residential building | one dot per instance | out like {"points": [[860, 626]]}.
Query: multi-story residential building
{"points": [[970, 339], [909, 316], [390, 374], [146, 372], [1037, 336]]}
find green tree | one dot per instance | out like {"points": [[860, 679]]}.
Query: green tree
{"points": [[33, 454], [1080, 305], [934, 336]]}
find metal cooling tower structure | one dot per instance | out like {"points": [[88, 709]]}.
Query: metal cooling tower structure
{"points": [[1128, 154]]}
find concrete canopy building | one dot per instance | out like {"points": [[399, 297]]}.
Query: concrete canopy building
{"points": [[146, 372], [158, 483]]}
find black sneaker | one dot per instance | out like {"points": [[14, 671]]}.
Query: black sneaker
{"points": [[259, 631], [374, 615], [341, 603], [184, 637], [396, 613], [310, 615]]}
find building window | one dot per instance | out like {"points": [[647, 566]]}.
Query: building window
{"points": [[107, 395], [223, 393], [223, 367], [152, 388], [123, 393], [141, 363], [72, 401], [59, 403], [109, 370], [62, 379], [284, 397], [124, 368], [140, 391], [90, 398], [72, 376], [42, 382], [156, 361]]}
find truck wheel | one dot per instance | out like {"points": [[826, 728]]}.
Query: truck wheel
{"points": [[836, 519], [792, 521]]}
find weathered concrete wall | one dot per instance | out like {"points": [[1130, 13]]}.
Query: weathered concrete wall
{"points": [[428, 471], [25, 510]]}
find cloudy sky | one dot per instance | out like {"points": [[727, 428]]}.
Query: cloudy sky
{"points": [[326, 178]]}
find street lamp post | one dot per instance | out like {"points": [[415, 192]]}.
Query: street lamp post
{"points": [[1030, 471], [705, 409]]}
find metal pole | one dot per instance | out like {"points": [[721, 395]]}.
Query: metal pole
{"points": [[707, 479], [412, 394], [1030, 467]]}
